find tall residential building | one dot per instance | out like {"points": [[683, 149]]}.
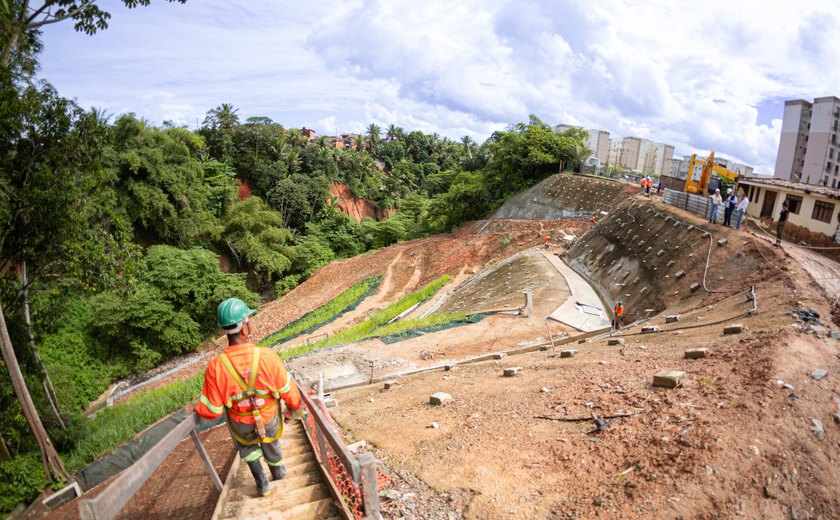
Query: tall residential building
{"points": [[615, 151], [663, 154], [599, 143], [809, 151], [562, 127]]}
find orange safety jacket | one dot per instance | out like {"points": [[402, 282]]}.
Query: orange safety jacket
{"points": [[619, 310], [222, 391]]}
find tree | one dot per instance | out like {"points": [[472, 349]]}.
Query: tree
{"points": [[374, 132], [22, 18], [579, 153]]}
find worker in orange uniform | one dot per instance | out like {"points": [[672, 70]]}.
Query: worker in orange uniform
{"points": [[547, 240], [245, 382], [619, 310]]}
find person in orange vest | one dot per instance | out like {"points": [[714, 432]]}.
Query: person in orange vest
{"points": [[643, 184], [246, 382], [619, 310], [547, 240]]}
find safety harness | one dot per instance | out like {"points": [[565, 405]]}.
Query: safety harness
{"points": [[249, 393]]}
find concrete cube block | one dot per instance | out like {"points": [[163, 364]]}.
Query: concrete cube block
{"points": [[680, 274], [660, 252], [389, 384], [568, 353], [693, 287], [615, 341], [672, 319], [670, 263], [695, 353], [668, 378], [499, 355], [649, 329], [511, 371], [736, 328], [722, 242], [439, 398]]}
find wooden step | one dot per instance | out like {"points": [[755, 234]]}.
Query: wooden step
{"points": [[277, 504], [312, 511], [299, 458], [298, 481]]}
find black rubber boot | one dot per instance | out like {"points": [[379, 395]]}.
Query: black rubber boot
{"points": [[277, 472], [259, 477]]}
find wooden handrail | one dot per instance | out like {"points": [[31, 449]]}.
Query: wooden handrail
{"points": [[109, 502], [331, 435]]}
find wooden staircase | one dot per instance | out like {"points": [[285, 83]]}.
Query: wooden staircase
{"points": [[302, 495]]}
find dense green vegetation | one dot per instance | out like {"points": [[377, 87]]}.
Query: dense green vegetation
{"points": [[131, 233], [326, 313]]}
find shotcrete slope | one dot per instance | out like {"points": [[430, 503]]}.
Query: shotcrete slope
{"points": [[562, 196]]}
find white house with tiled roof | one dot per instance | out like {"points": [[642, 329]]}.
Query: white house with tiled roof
{"points": [[812, 207]]}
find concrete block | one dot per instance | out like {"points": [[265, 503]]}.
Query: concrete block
{"points": [[670, 263], [722, 242], [693, 287], [568, 352], [706, 234], [635, 281], [511, 371], [648, 250], [672, 319], [330, 401], [499, 355], [689, 228], [695, 353], [680, 274], [439, 398], [649, 329], [390, 384], [644, 290], [543, 348], [668, 378], [447, 368], [615, 341], [581, 341], [736, 328], [660, 252]]}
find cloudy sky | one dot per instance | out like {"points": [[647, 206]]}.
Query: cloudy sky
{"points": [[701, 75]]}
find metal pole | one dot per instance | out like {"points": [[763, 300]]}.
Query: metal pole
{"points": [[206, 460]]}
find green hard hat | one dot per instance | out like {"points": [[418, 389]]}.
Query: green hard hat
{"points": [[231, 312]]}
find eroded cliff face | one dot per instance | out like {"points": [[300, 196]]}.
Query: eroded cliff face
{"points": [[350, 204]]}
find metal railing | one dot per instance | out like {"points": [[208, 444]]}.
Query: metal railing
{"points": [[696, 204], [354, 476]]}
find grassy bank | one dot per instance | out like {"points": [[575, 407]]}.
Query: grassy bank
{"points": [[324, 314], [114, 426], [377, 324]]}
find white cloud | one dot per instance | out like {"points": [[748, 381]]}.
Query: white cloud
{"points": [[688, 73]]}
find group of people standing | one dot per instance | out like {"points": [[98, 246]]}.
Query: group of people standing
{"points": [[646, 183], [733, 204]]}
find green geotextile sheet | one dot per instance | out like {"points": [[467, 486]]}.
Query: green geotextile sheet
{"points": [[321, 324], [413, 333], [127, 454]]}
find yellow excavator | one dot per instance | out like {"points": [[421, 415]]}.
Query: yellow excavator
{"points": [[700, 173]]}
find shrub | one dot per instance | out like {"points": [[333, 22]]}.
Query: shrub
{"points": [[21, 480]]}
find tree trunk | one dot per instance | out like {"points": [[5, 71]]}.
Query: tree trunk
{"points": [[45, 377], [53, 467], [5, 456]]}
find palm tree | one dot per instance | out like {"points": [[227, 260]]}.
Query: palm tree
{"points": [[393, 132], [579, 152], [373, 132], [468, 143], [360, 141]]}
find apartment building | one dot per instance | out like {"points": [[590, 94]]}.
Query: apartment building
{"points": [[809, 151], [599, 143], [645, 156]]}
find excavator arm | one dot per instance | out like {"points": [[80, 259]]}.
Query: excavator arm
{"points": [[700, 173]]}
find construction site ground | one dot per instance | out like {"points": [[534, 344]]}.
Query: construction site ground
{"points": [[731, 441]]}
